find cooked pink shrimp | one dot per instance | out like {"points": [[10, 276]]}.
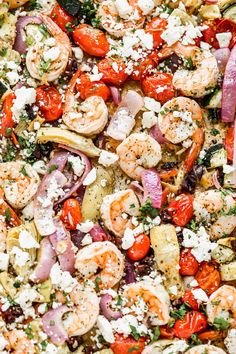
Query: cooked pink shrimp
{"points": [[16, 3], [3, 235], [20, 343], [205, 349]]}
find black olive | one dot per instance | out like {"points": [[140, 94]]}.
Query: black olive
{"points": [[12, 313], [169, 165], [45, 149], [30, 112], [192, 178], [71, 68], [73, 343]]}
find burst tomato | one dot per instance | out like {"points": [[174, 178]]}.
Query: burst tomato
{"points": [[158, 86], [113, 71], [71, 213], [189, 298], [188, 263], [7, 122], [211, 335], [48, 99], [62, 18], [92, 40], [156, 27], [167, 332], [193, 322], [144, 68], [127, 345], [140, 248], [208, 277], [219, 26], [88, 88], [229, 143], [181, 209]]}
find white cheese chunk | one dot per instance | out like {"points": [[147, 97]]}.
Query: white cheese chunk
{"points": [[91, 177], [200, 295], [27, 241], [51, 54], [107, 158], [106, 329], [224, 39], [4, 261]]}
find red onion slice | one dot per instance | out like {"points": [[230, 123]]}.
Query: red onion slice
{"points": [[47, 258], [98, 234], [130, 276], [229, 89], [156, 134], [211, 2], [53, 326], [234, 157], [20, 44], [138, 190], [152, 187], [215, 180], [222, 56], [115, 92], [105, 306], [59, 160], [62, 244]]}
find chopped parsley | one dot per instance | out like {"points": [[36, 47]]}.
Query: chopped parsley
{"points": [[156, 334], [180, 312], [23, 171], [214, 131], [194, 340], [232, 211], [147, 210], [44, 345], [17, 284], [7, 215], [52, 168], [133, 349], [98, 281], [28, 332], [220, 323], [134, 332]]}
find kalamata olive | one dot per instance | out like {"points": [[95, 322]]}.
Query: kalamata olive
{"points": [[73, 343], [12, 313], [192, 178], [71, 67]]}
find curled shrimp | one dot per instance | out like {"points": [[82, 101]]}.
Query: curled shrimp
{"points": [[19, 342], [3, 235], [222, 304], [214, 207], [117, 210], [155, 297], [84, 313], [88, 118], [205, 349], [35, 61], [16, 3], [138, 152], [19, 182], [101, 260], [130, 17]]}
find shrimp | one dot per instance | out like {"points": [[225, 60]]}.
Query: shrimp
{"points": [[19, 182], [3, 235], [128, 12], [16, 3], [88, 118], [222, 304], [19, 342], [84, 313], [155, 297], [101, 260], [199, 81], [230, 341], [214, 207], [138, 152], [205, 349], [51, 68], [117, 210]]}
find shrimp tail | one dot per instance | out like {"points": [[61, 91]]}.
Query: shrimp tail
{"points": [[194, 151]]}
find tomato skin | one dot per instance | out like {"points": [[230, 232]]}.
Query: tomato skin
{"points": [[181, 209], [48, 99], [125, 345], [139, 71], [71, 213], [211, 335], [190, 299], [7, 121], [229, 143], [208, 277], [219, 26], [163, 81], [110, 76], [61, 18], [193, 322], [167, 332], [156, 27], [188, 263], [92, 40], [140, 248], [89, 88]]}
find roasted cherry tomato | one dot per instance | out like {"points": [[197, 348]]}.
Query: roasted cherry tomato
{"points": [[144, 68], [181, 209], [88, 88], [158, 86], [188, 263], [229, 143], [208, 277], [48, 99], [189, 298], [156, 27], [140, 248], [219, 26], [193, 322], [7, 122], [71, 213], [127, 345], [113, 71], [62, 18], [92, 40], [167, 332], [211, 335]]}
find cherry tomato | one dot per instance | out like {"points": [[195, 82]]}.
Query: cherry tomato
{"points": [[7, 122], [229, 143], [127, 345], [193, 322], [211, 335], [167, 175], [92, 40], [165, 194], [156, 27], [181, 209], [89, 88], [189, 298], [208, 277], [71, 213], [140, 248], [62, 18], [158, 86], [48, 99], [209, 34], [113, 71], [188, 263], [226, 25], [219, 26], [144, 68], [167, 332]]}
